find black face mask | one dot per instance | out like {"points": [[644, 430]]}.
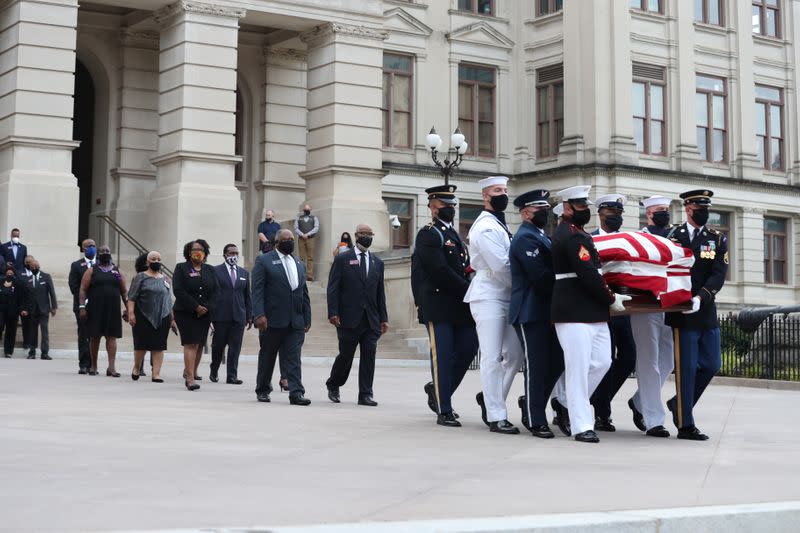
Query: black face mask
{"points": [[307, 212], [499, 203], [661, 218], [700, 216], [365, 241], [104, 259], [613, 222], [447, 214], [9, 277], [540, 218], [269, 220], [155, 267], [286, 247], [581, 218], [34, 271]]}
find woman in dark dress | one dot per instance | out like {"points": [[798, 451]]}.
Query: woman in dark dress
{"points": [[194, 284], [102, 287], [14, 302]]}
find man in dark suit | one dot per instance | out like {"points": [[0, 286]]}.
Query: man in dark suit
{"points": [[283, 316], [43, 304], [76, 271], [357, 307], [698, 354], [14, 251], [231, 313], [532, 282], [25, 275]]}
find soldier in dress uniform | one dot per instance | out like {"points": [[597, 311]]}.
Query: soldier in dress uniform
{"points": [[532, 282], [623, 348], [697, 350], [654, 347], [439, 281], [580, 310], [489, 297]]}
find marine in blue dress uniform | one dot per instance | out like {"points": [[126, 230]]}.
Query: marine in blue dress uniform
{"points": [[439, 281], [697, 338], [532, 281]]}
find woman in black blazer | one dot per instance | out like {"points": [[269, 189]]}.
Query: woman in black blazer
{"points": [[194, 284]]}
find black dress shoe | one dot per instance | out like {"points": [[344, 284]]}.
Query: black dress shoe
{"points": [[213, 377], [587, 436], [562, 417], [367, 400], [263, 397], [192, 387], [299, 400], [543, 431], [7, 355], [234, 381], [156, 380], [638, 417], [691, 433], [112, 373], [134, 377], [448, 420], [603, 424], [503, 426], [46, 357], [479, 399], [672, 406], [31, 356], [658, 431], [431, 392], [333, 394], [93, 372], [83, 370], [521, 403]]}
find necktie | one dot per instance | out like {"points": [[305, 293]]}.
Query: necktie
{"points": [[363, 262], [233, 275]]}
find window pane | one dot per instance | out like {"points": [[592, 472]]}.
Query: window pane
{"points": [[700, 109], [638, 99], [486, 139], [773, 3], [558, 94], [543, 6], [710, 84], [401, 93], [468, 73], [485, 7], [761, 149], [636, 4], [559, 5], [464, 101], [544, 109], [656, 129], [485, 104], [775, 121], [718, 111], [398, 207], [386, 140], [718, 146], [559, 133], [698, 10], [778, 253], [775, 154], [400, 129], [761, 119], [779, 272], [718, 220], [756, 19], [397, 62], [653, 5], [468, 213], [774, 225], [638, 133], [772, 23], [385, 104], [657, 102], [701, 143], [465, 4], [544, 139], [768, 93], [714, 13]]}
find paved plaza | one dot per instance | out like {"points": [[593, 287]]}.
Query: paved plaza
{"points": [[80, 453]]}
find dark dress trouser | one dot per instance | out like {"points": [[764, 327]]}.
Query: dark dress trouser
{"points": [[228, 334], [452, 350], [9, 330], [700, 360], [84, 360], [623, 362], [545, 360], [289, 342], [36, 323], [367, 338]]}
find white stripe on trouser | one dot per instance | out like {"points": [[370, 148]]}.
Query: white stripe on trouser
{"points": [[501, 354], [587, 356], [655, 360], [527, 374]]}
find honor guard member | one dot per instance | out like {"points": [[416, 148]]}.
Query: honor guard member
{"points": [[558, 398], [623, 348], [580, 310], [697, 340], [655, 354], [489, 297], [532, 281], [439, 281]]}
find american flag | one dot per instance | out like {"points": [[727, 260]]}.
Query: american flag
{"points": [[641, 260]]}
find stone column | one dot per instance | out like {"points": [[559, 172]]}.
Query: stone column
{"points": [[343, 165], [686, 154], [748, 258], [742, 125], [195, 195], [38, 192]]}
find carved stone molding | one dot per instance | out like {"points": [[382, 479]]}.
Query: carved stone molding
{"points": [[139, 39], [165, 14], [314, 37], [285, 54], [756, 211]]}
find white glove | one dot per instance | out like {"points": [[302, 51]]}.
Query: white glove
{"points": [[619, 302], [695, 306]]}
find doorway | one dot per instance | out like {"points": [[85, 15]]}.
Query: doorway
{"points": [[82, 157]]}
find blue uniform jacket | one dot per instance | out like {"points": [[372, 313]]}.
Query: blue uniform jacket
{"points": [[532, 276]]}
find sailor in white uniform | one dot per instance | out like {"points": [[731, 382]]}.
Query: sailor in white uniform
{"points": [[489, 297]]}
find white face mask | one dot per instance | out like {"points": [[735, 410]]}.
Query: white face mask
{"points": [[232, 260], [15, 240]]}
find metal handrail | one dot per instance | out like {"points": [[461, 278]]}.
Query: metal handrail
{"points": [[130, 238]]}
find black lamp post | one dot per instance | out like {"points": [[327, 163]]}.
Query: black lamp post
{"points": [[458, 146]]}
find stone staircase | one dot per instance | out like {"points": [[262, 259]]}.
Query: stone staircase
{"points": [[320, 340]]}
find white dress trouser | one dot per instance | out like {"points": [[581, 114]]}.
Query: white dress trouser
{"points": [[655, 359], [501, 354], [587, 356]]}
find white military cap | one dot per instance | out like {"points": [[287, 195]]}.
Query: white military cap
{"points": [[614, 201], [558, 210], [578, 193], [493, 180], [655, 201]]}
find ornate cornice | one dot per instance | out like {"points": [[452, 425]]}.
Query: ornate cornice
{"points": [[139, 39], [313, 37], [286, 54], [165, 14]]}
